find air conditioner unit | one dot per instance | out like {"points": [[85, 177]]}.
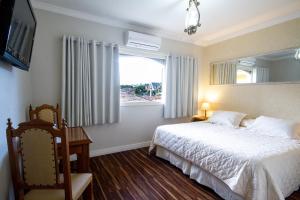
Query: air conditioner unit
{"points": [[142, 41]]}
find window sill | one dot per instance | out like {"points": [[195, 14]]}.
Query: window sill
{"points": [[141, 103]]}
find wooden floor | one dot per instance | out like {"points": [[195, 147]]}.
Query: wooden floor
{"points": [[135, 175]]}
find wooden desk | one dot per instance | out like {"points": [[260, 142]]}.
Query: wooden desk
{"points": [[79, 144]]}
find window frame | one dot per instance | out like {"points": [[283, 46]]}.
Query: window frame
{"points": [[249, 69], [146, 54]]}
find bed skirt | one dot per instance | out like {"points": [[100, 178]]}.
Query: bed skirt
{"points": [[198, 174]]}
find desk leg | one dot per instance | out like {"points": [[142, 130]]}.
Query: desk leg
{"points": [[88, 193], [83, 159]]}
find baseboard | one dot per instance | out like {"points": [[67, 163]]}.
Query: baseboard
{"points": [[116, 149]]}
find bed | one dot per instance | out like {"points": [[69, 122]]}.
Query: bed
{"points": [[235, 162]]}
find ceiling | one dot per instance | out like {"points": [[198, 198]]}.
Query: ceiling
{"points": [[221, 19], [284, 54]]}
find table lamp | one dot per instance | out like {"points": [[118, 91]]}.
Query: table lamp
{"points": [[205, 106]]}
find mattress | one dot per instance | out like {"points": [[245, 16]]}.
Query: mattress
{"points": [[252, 165]]}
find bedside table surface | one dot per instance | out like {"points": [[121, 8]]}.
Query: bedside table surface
{"points": [[196, 118]]}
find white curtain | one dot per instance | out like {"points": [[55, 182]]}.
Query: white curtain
{"points": [[223, 73], [181, 97], [262, 74], [90, 82]]}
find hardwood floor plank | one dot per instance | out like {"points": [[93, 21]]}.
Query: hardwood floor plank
{"points": [[146, 170], [146, 184], [181, 194], [134, 175], [175, 175]]}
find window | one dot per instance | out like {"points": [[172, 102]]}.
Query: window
{"points": [[244, 75], [141, 78]]}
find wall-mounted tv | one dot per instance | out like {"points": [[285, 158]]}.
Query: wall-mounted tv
{"points": [[17, 30]]}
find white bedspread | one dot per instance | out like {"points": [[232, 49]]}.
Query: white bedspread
{"points": [[253, 165]]}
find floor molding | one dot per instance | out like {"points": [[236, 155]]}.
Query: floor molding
{"points": [[116, 149]]}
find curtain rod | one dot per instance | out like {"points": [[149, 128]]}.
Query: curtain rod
{"points": [[235, 61], [124, 49], [91, 41]]}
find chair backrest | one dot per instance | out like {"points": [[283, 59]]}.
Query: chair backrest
{"points": [[47, 113], [33, 157]]}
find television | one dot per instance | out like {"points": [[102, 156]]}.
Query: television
{"points": [[17, 30]]}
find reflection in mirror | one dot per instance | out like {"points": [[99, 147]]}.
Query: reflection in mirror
{"points": [[281, 66]]}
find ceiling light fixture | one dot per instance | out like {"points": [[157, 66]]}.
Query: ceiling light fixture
{"points": [[297, 54], [192, 20]]}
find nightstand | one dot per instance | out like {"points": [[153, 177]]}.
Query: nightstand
{"points": [[197, 118]]}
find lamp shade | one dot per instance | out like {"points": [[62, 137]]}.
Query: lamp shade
{"points": [[205, 106], [191, 16]]}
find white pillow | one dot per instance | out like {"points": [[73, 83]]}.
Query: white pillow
{"points": [[276, 127], [247, 122], [228, 118]]}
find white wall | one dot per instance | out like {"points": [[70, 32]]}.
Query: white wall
{"points": [[15, 96], [137, 126], [137, 123], [278, 100]]}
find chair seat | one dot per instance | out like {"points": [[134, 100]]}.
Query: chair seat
{"points": [[79, 184]]}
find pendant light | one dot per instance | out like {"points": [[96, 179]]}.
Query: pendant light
{"points": [[192, 20]]}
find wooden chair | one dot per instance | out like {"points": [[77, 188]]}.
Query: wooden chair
{"points": [[33, 160], [47, 113]]}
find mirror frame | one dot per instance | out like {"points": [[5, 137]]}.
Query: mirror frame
{"points": [[255, 55]]}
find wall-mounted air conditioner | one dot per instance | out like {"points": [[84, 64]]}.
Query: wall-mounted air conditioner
{"points": [[142, 41]]}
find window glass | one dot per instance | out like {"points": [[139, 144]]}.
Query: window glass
{"points": [[141, 78], [244, 76]]}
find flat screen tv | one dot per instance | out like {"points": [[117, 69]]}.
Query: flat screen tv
{"points": [[17, 30]]}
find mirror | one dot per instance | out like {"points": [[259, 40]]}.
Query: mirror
{"points": [[280, 66]]}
